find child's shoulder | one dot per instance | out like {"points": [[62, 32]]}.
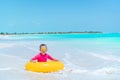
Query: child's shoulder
{"points": [[47, 54]]}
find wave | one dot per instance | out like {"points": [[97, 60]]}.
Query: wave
{"points": [[5, 69], [72, 68], [67, 61], [101, 71], [18, 37], [107, 57], [5, 45], [11, 62], [30, 48], [107, 70], [6, 56]]}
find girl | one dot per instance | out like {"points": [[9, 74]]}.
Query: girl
{"points": [[42, 56]]}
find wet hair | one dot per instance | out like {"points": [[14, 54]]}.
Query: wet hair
{"points": [[43, 45]]}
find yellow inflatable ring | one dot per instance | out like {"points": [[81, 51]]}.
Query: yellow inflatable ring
{"points": [[45, 67]]}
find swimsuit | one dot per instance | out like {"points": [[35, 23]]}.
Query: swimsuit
{"points": [[42, 57]]}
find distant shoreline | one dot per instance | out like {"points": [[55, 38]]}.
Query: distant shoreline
{"points": [[91, 32]]}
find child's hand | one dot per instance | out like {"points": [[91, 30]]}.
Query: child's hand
{"points": [[33, 61], [55, 60]]}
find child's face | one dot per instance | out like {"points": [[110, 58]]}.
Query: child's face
{"points": [[43, 49]]}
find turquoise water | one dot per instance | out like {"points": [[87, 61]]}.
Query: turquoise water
{"points": [[86, 56], [61, 36]]}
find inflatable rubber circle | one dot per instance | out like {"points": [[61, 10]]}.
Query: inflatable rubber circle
{"points": [[45, 67]]}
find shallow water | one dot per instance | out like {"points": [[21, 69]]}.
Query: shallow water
{"points": [[86, 56]]}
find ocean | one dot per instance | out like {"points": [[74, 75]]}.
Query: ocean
{"points": [[85, 56]]}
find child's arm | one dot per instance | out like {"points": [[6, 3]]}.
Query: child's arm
{"points": [[51, 58], [55, 60], [34, 58]]}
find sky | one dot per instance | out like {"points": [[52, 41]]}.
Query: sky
{"points": [[59, 15]]}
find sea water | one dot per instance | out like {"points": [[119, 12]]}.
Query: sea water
{"points": [[85, 56]]}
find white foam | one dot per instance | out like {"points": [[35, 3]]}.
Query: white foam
{"points": [[107, 57], [106, 70], [31, 48], [100, 71], [5, 69], [68, 62], [12, 56], [6, 45]]}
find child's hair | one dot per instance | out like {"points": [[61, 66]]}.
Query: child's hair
{"points": [[43, 45]]}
